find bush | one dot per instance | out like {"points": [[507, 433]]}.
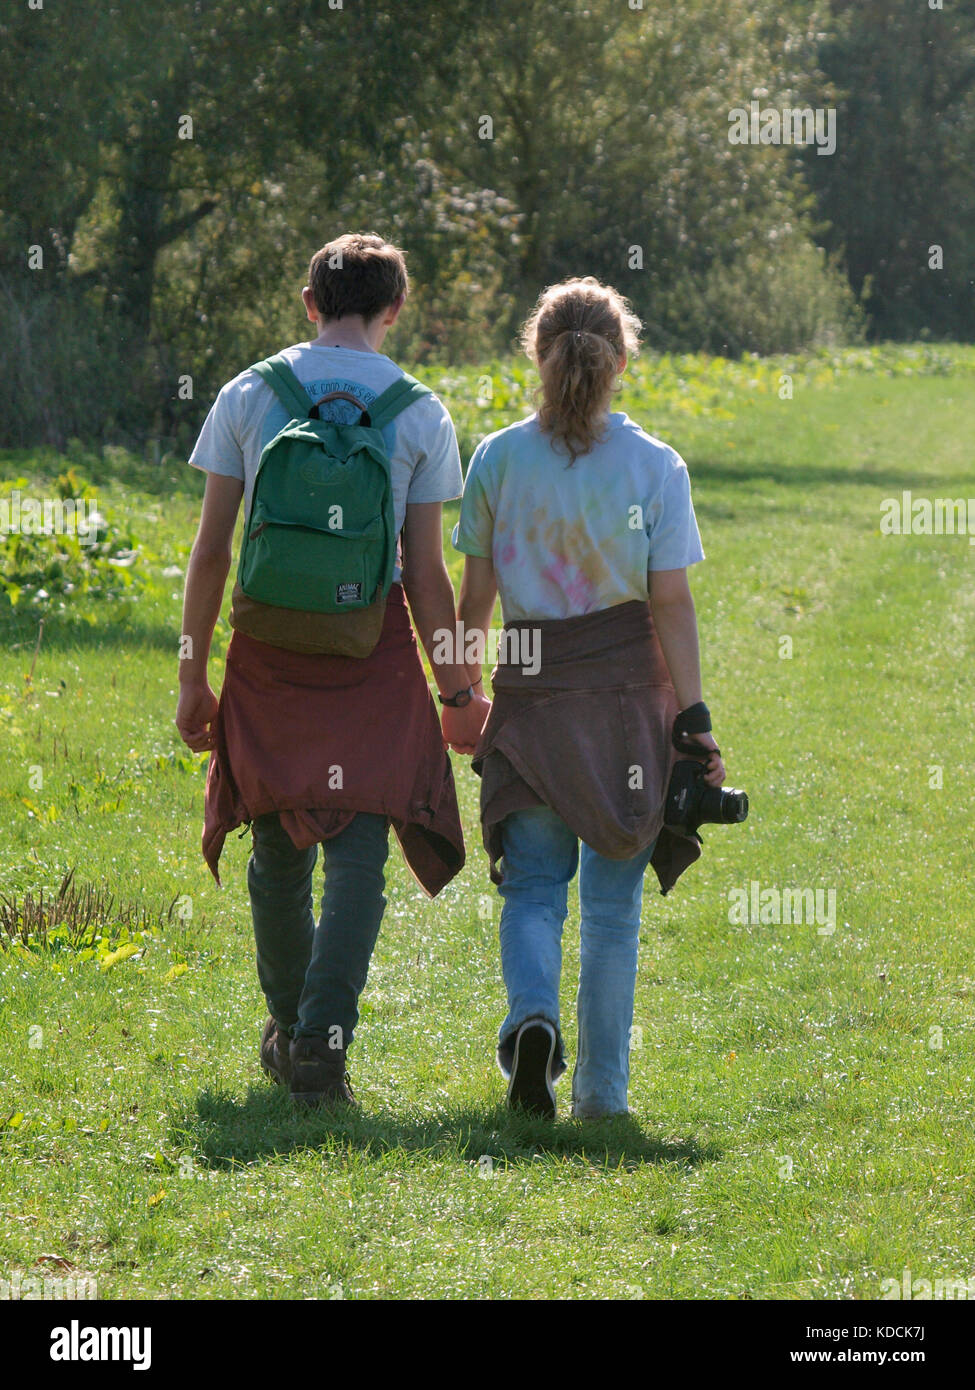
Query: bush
{"points": [[779, 296], [45, 571]]}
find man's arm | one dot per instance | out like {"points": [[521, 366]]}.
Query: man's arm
{"points": [[206, 577], [430, 594], [676, 622]]}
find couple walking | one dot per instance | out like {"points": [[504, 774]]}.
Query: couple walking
{"points": [[583, 524]]}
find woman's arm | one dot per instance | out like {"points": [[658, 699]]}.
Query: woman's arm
{"points": [[478, 591], [430, 594], [676, 622]]}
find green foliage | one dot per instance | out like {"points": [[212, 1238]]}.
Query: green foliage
{"points": [[900, 181], [672, 390], [65, 371], [174, 254], [52, 570], [83, 919], [777, 297]]}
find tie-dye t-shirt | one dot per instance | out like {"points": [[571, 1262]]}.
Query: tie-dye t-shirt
{"points": [[572, 540]]}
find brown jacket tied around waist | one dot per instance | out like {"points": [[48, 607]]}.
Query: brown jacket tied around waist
{"points": [[319, 738], [589, 735]]}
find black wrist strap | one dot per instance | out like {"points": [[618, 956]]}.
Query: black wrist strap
{"points": [[696, 719], [451, 700]]}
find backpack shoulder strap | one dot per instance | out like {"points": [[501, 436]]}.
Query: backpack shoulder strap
{"points": [[396, 398], [285, 385]]}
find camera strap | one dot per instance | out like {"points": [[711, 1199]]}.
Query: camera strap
{"points": [[696, 719]]}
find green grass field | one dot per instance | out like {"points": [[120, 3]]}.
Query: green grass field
{"points": [[803, 1099]]}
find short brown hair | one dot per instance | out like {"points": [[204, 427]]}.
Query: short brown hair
{"points": [[577, 336], [357, 274]]}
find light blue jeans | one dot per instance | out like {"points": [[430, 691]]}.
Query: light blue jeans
{"points": [[541, 855]]}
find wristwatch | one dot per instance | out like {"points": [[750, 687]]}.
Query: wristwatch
{"points": [[458, 701]]}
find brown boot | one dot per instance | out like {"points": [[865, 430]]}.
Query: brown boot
{"points": [[318, 1074], [275, 1053]]}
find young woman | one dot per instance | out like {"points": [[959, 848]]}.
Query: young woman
{"points": [[584, 523]]}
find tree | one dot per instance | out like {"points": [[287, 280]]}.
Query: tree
{"points": [[900, 183]]}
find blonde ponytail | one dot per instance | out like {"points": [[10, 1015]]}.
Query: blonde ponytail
{"points": [[578, 335]]}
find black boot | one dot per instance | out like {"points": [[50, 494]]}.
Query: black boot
{"points": [[318, 1074], [275, 1053], [531, 1085]]}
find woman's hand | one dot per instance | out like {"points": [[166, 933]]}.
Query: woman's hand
{"points": [[462, 727], [195, 714], [715, 774]]}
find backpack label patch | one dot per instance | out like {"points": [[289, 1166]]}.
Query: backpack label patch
{"points": [[349, 592]]}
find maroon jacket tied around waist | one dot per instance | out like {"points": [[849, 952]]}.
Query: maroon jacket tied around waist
{"points": [[319, 738], [589, 734]]}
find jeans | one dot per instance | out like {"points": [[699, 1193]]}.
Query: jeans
{"points": [[541, 855], [311, 975]]}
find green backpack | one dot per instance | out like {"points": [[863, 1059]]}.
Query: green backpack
{"points": [[321, 535]]}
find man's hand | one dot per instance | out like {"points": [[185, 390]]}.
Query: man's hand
{"points": [[195, 714], [462, 727], [715, 774]]}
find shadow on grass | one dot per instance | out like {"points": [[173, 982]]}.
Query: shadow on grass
{"points": [[66, 635], [806, 476], [227, 1131]]}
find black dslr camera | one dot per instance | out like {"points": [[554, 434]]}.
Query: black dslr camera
{"points": [[690, 801]]}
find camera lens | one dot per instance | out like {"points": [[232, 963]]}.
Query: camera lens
{"points": [[734, 806]]}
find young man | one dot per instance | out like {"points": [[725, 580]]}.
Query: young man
{"points": [[310, 747]]}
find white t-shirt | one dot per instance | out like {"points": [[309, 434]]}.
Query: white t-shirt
{"points": [[420, 441], [568, 540]]}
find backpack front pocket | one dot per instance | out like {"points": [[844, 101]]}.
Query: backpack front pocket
{"points": [[289, 564]]}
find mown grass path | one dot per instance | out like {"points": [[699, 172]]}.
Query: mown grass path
{"points": [[803, 1098]]}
